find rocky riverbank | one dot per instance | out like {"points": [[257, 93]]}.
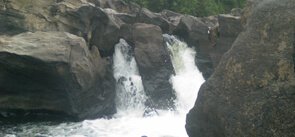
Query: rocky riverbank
{"points": [[56, 55]]}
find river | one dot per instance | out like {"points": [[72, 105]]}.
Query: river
{"points": [[132, 118]]}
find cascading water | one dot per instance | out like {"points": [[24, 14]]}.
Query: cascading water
{"points": [[129, 121], [130, 94], [188, 79]]}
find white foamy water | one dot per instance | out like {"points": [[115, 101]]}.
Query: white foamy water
{"points": [[130, 93], [188, 78], [129, 121]]}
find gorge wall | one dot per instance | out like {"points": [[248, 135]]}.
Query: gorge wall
{"points": [[56, 55], [252, 91]]}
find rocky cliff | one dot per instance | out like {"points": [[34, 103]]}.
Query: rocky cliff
{"points": [[252, 91], [56, 55]]}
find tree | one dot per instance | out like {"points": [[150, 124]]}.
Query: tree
{"points": [[193, 7]]}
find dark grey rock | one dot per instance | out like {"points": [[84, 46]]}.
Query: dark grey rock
{"points": [[210, 36], [229, 26], [148, 17], [228, 30], [106, 34], [54, 72], [154, 64], [251, 92], [194, 31], [98, 27]]}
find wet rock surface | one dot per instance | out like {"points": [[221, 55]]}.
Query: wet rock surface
{"points": [[251, 92]]}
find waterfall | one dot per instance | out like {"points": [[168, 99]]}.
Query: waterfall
{"points": [[188, 78], [129, 120], [130, 93]]}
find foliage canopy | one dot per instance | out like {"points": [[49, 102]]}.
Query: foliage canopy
{"points": [[193, 7]]}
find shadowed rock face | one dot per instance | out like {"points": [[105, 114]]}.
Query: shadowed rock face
{"points": [[194, 31], [211, 37], [101, 27], [229, 28], [53, 72], [78, 81], [154, 64], [65, 77], [153, 60], [77, 17], [252, 91], [294, 51]]}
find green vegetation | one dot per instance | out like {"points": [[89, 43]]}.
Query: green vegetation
{"points": [[193, 7]]}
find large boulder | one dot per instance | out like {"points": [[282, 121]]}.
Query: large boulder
{"points": [[194, 31], [53, 73], [210, 36], [173, 19], [26, 15], [154, 64], [14, 20], [82, 18], [106, 33], [228, 30], [251, 92], [146, 16]]}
